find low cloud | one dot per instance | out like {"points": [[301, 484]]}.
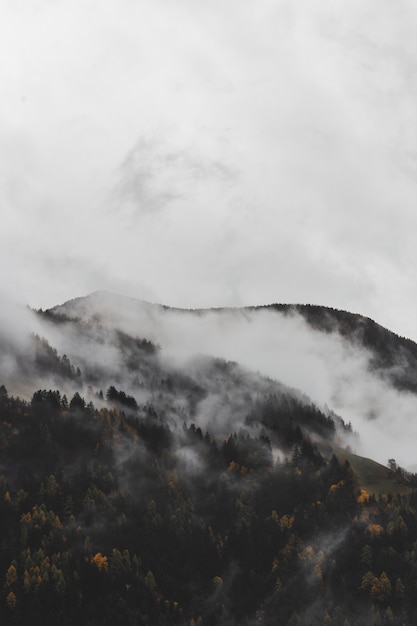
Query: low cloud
{"points": [[327, 368], [224, 155]]}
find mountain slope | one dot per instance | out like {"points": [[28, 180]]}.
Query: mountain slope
{"points": [[393, 357], [345, 361], [171, 468]]}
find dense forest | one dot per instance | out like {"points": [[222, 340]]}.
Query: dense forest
{"points": [[111, 514]]}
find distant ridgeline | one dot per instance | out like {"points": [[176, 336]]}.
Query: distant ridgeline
{"points": [[394, 357], [114, 512]]}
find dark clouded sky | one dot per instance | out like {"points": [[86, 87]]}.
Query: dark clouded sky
{"points": [[211, 153]]}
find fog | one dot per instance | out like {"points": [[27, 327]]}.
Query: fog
{"points": [[16, 325], [325, 367], [328, 369], [232, 154], [205, 155]]}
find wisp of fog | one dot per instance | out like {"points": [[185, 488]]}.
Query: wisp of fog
{"points": [[329, 369]]}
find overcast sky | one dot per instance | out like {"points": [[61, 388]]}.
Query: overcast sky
{"points": [[211, 153]]}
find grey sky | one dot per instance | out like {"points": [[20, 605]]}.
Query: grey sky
{"points": [[204, 154]]}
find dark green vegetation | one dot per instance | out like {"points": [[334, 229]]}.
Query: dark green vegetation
{"points": [[163, 491], [117, 515]]}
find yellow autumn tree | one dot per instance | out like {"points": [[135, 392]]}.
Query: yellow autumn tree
{"points": [[101, 562], [381, 589], [11, 575], [218, 581], [11, 601], [374, 530], [363, 497]]}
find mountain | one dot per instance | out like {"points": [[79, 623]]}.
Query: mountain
{"points": [[157, 350], [168, 466], [348, 362], [344, 361], [394, 358]]}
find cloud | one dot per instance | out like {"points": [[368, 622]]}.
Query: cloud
{"points": [[277, 138], [328, 369], [222, 153], [161, 171]]}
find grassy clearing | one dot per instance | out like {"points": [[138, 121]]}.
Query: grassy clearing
{"points": [[372, 476]]}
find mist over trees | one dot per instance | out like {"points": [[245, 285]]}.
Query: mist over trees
{"points": [[345, 360], [141, 483], [114, 517]]}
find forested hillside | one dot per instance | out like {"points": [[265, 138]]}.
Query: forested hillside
{"points": [[148, 478], [112, 515]]}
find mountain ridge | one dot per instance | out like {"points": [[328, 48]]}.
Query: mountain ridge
{"points": [[394, 356], [200, 467]]}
